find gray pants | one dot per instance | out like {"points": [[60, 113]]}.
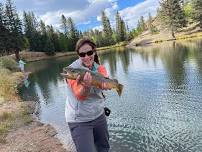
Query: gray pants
{"points": [[88, 135]]}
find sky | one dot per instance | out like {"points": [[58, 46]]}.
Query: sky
{"points": [[86, 14]]}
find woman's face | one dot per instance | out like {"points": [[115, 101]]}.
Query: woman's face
{"points": [[86, 55]]}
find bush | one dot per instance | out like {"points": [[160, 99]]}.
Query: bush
{"points": [[9, 83], [50, 53], [9, 63], [7, 89]]}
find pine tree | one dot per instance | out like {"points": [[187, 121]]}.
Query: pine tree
{"points": [[80, 34], [63, 42], [107, 29], [43, 36], [188, 10], [172, 15], [42, 26], [150, 23], [99, 38], [118, 27], [72, 28], [198, 11], [142, 23], [30, 30], [49, 47], [56, 43], [50, 32], [123, 30], [4, 32], [151, 27], [139, 29], [73, 33], [64, 25], [15, 27]]}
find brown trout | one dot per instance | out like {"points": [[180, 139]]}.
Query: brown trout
{"points": [[97, 78]]}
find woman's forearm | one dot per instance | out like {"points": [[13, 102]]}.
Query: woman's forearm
{"points": [[85, 90]]}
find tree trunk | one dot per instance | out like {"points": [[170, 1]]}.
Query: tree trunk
{"points": [[17, 55]]}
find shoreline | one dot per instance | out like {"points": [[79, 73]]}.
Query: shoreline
{"points": [[145, 39], [21, 131], [141, 40], [28, 56]]}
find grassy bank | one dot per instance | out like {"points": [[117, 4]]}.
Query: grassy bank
{"points": [[10, 79], [190, 36], [19, 130], [113, 46], [147, 38], [13, 115], [12, 112]]}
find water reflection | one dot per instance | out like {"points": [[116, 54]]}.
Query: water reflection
{"points": [[111, 58], [115, 56], [160, 109]]}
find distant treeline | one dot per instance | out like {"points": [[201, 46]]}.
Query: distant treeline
{"points": [[176, 14], [34, 35]]}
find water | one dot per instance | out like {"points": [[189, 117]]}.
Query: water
{"points": [[161, 106]]}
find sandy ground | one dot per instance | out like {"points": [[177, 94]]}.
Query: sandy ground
{"points": [[32, 137]]}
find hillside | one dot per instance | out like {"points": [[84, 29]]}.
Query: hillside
{"points": [[192, 30]]}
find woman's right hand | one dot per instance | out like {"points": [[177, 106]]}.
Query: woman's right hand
{"points": [[87, 79]]}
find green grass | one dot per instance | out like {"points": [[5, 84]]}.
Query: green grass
{"points": [[8, 80], [6, 123], [17, 115], [8, 85], [24, 115], [9, 120], [8, 63], [5, 116], [113, 46]]}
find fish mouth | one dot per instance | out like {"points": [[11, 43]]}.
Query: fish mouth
{"points": [[69, 72]]}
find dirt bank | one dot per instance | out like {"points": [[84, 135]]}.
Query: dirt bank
{"points": [[146, 38], [19, 129], [26, 133]]}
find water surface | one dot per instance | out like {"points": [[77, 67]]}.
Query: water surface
{"points": [[161, 106]]}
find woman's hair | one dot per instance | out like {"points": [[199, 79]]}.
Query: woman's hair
{"points": [[83, 41]]}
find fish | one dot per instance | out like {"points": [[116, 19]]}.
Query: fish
{"points": [[97, 78]]}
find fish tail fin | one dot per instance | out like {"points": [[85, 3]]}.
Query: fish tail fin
{"points": [[119, 89]]}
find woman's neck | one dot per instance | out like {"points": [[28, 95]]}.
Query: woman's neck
{"points": [[89, 67]]}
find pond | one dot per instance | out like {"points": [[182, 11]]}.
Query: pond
{"points": [[161, 105]]}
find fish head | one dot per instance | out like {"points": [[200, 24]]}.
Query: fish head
{"points": [[72, 73]]}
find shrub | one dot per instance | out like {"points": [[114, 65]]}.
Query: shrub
{"points": [[7, 89], [9, 63], [5, 116], [51, 53], [9, 83]]}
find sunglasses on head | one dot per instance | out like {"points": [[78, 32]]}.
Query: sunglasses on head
{"points": [[89, 53]]}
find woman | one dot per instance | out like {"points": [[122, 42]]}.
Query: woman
{"points": [[84, 109]]}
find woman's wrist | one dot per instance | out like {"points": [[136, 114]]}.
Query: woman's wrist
{"points": [[86, 90]]}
